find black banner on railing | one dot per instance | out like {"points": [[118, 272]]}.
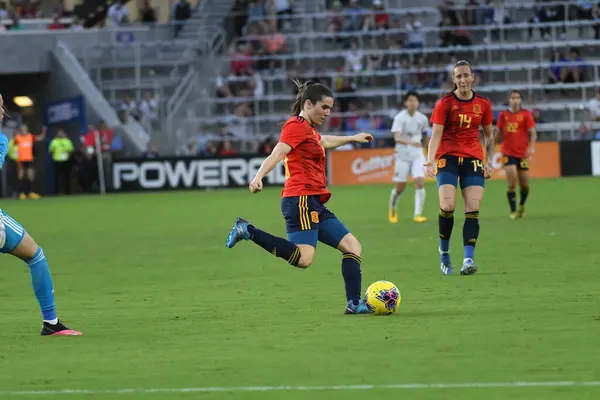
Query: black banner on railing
{"points": [[134, 174]]}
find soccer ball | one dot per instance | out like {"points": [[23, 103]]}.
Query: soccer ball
{"points": [[383, 298]]}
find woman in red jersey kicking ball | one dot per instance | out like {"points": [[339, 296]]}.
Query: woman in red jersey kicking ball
{"points": [[305, 193], [456, 151]]}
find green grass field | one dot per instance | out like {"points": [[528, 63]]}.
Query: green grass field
{"points": [[164, 305]]}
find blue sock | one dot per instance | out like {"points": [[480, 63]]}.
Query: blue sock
{"points": [[352, 276], [42, 284], [469, 252], [470, 233], [445, 225]]}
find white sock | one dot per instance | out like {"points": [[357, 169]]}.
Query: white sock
{"points": [[419, 201], [394, 198], [52, 321]]}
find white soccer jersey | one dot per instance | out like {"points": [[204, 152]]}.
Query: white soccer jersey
{"points": [[411, 130]]}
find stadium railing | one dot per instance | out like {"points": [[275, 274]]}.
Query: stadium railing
{"points": [[267, 125], [300, 39], [534, 71]]}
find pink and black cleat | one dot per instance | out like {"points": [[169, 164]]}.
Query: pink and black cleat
{"points": [[58, 330]]}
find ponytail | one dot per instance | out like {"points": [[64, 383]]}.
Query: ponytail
{"points": [[300, 96]]}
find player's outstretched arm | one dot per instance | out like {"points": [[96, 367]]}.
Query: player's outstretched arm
{"points": [[331, 142], [434, 143], [278, 153]]}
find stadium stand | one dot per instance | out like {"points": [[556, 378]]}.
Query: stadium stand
{"points": [[371, 52]]}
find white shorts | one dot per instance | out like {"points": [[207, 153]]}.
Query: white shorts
{"points": [[414, 167]]}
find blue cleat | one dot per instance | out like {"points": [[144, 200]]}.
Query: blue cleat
{"points": [[238, 232], [469, 267], [445, 264], [360, 308]]}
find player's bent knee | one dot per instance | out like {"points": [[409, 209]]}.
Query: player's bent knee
{"points": [[350, 244], [307, 253]]}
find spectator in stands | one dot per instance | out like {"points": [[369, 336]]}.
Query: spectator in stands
{"points": [[378, 122], [182, 11], [351, 120], [537, 117], [129, 107], [16, 23], [394, 60], [447, 37], [240, 58], [415, 37], [379, 20], [28, 9], [354, 58], [77, 25], [106, 136], [347, 88], [257, 85], [147, 13], [149, 111], [425, 79], [353, 17], [275, 44], [373, 61], [556, 67], [596, 17], [382, 18], [334, 122], [56, 24], [594, 107], [202, 140], [574, 72], [266, 147], [256, 11], [223, 87], [448, 9], [283, 10], [151, 152], [227, 149], [117, 14], [485, 12], [499, 18], [336, 20], [408, 80], [210, 151], [3, 11]]}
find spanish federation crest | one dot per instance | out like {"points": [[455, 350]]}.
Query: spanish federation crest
{"points": [[520, 118], [476, 109]]}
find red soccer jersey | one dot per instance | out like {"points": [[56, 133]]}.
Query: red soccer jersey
{"points": [[305, 164], [461, 120], [514, 128]]}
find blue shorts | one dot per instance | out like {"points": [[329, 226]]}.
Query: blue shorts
{"points": [[308, 221], [452, 168], [521, 163], [11, 233]]}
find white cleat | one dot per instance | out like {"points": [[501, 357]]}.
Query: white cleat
{"points": [[469, 267]]}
